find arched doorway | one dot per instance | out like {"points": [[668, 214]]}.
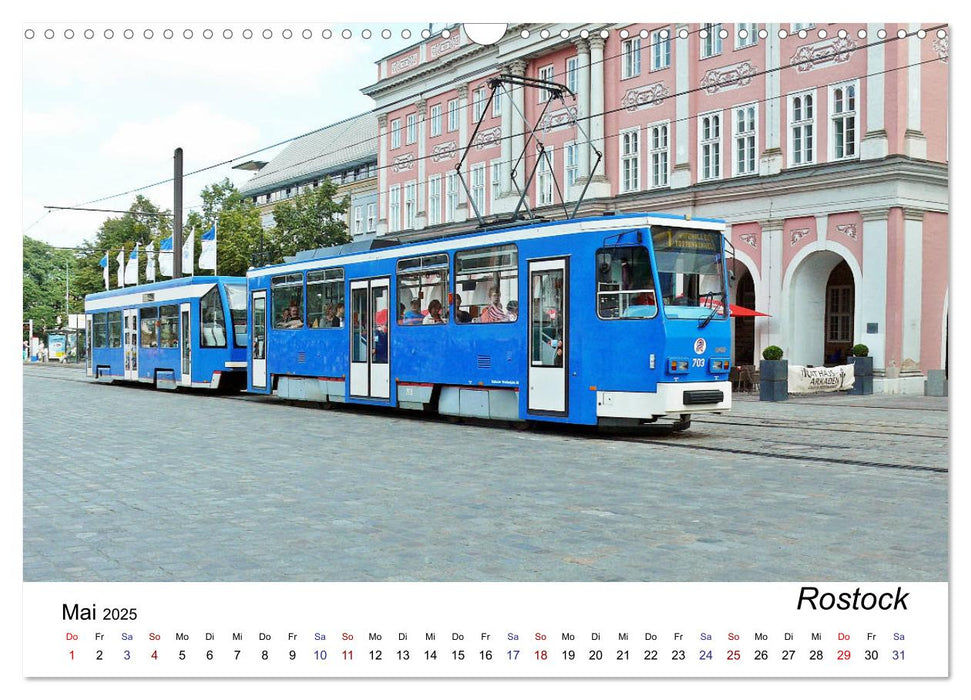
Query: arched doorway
{"points": [[822, 299], [744, 331], [840, 300]]}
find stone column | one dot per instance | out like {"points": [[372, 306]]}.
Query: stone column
{"points": [[874, 144], [511, 128], [518, 124], [599, 185], [421, 202], [463, 210], [913, 285], [681, 171], [583, 116], [915, 144], [770, 162], [871, 296], [822, 227], [383, 161], [773, 330]]}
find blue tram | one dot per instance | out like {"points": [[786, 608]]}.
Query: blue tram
{"points": [[611, 320], [187, 332]]}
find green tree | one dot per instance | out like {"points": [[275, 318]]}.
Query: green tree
{"points": [[312, 219], [238, 228], [144, 223], [46, 271]]}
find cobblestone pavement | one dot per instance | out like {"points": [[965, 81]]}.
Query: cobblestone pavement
{"points": [[129, 484]]}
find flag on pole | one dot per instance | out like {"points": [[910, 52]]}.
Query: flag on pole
{"points": [[165, 257], [121, 267], [150, 262], [131, 269], [189, 254], [104, 265], [207, 258]]}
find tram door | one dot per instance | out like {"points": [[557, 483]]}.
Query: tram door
{"points": [[370, 324], [258, 338], [548, 328], [185, 343], [131, 343]]}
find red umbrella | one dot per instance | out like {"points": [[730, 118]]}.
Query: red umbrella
{"points": [[734, 309], [742, 311]]}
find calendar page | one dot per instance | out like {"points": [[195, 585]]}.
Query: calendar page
{"points": [[367, 352]]}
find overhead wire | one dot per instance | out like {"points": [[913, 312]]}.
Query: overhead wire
{"points": [[671, 37]]}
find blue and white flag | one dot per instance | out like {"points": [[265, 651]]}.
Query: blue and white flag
{"points": [[165, 257], [150, 262], [189, 254], [207, 258], [131, 269], [104, 265], [121, 267]]}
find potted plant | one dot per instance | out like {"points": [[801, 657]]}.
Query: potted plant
{"points": [[773, 375], [862, 369]]}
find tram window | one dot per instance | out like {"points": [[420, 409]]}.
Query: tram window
{"points": [[114, 329], [168, 319], [148, 321], [286, 297], [487, 285], [236, 294], [625, 285], [325, 298], [422, 290], [213, 320], [99, 330]]}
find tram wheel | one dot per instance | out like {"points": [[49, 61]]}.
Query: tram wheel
{"points": [[683, 424]]}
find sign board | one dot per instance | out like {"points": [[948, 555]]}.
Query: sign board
{"points": [[56, 346], [809, 380]]}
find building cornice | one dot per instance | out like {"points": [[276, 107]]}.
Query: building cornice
{"points": [[888, 175]]}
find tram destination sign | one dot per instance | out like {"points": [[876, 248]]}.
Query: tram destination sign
{"points": [[683, 238]]}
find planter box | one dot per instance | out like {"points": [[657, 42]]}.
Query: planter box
{"points": [[936, 383], [863, 375], [773, 380]]}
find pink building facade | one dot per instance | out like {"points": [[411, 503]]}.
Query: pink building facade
{"points": [[823, 146]]}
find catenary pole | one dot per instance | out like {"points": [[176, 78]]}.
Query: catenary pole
{"points": [[177, 218]]}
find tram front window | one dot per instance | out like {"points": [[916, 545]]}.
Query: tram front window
{"points": [[689, 270]]}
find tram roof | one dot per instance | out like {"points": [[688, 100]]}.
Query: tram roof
{"points": [[165, 284], [490, 235]]}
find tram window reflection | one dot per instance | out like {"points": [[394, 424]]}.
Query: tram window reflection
{"points": [[422, 282], [148, 319], [625, 285], [99, 330], [325, 298], [487, 285], [168, 317], [114, 329], [213, 320], [286, 298]]}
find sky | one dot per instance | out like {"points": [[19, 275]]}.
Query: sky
{"points": [[104, 116]]}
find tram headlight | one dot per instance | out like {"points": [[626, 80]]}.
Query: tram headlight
{"points": [[718, 365], [677, 365]]}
